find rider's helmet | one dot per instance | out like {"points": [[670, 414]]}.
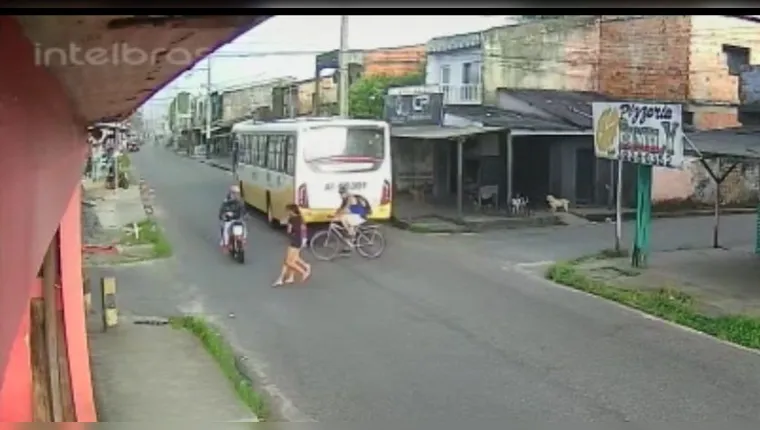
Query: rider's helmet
{"points": [[234, 191]]}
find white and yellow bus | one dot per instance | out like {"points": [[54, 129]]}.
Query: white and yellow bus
{"points": [[305, 160]]}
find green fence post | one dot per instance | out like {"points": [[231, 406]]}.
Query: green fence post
{"points": [[643, 215]]}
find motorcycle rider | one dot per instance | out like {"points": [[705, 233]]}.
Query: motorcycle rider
{"points": [[231, 210]]}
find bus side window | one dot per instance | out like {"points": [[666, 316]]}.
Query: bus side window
{"points": [[241, 148], [255, 153], [290, 145], [264, 150], [280, 153], [271, 153], [246, 149]]}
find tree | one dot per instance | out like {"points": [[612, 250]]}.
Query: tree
{"points": [[366, 97]]}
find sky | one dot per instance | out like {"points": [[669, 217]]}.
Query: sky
{"points": [[245, 59]]}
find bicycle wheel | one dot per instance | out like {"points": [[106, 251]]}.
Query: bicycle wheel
{"points": [[370, 243], [325, 245]]}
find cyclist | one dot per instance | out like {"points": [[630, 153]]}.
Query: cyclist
{"points": [[353, 211]]}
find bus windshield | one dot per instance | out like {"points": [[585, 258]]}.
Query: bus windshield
{"points": [[345, 144]]}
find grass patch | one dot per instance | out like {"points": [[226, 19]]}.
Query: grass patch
{"points": [[150, 233], [665, 303], [223, 354]]}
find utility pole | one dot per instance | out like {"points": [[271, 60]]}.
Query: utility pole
{"points": [[208, 108], [343, 68]]}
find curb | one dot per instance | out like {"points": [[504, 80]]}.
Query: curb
{"points": [[216, 165], [628, 216], [412, 227], [465, 227]]}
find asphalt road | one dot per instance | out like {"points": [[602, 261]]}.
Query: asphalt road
{"points": [[446, 328]]}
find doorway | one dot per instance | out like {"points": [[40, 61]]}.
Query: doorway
{"points": [[585, 164]]}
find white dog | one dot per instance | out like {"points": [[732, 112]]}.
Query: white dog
{"points": [[555, 203]]}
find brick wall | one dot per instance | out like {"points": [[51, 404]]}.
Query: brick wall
{"points": [[645, 58], [394, 61]]}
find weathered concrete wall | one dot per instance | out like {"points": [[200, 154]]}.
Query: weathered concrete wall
{"points": [[558, 54], [710, 79], [244, 101], [693, 183], [328, 93]]}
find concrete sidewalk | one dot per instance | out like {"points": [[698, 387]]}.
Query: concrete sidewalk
{"points": [[158, 373], [153, 372]]}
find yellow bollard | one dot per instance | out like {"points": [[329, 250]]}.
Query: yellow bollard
{"points": [[108, 295]]}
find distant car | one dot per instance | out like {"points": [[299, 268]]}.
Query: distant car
{"points": [[133, 147]]}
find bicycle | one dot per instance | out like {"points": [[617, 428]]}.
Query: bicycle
{"points": [[335, 237]]}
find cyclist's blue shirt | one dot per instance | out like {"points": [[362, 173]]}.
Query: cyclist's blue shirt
{"points": [[358, 210]]}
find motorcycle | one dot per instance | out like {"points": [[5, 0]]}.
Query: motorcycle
{"points": [[236, 246]]}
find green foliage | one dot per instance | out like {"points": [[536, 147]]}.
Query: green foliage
{"points": [[367, 95]]}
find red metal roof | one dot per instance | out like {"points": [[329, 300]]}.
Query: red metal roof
{"points": [[111, 64]]}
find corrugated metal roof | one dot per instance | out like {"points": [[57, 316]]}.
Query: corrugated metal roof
{"points": [[436, 132], [495, 117], [738, 142], [573, 107]]}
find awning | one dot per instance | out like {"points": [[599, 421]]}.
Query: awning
{"points": [[437, 132], [737, 142]]}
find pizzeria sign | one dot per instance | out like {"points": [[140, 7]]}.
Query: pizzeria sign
{"points": [[641, 133]]}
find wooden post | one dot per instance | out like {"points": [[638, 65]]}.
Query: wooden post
{"points": [[49, 280], [40, 370], [67, 400]]}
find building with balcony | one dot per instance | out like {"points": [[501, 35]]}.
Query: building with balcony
{"points": [[455, 67]]}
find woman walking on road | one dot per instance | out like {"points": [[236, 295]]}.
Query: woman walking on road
{"points": [[297, 238]]}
